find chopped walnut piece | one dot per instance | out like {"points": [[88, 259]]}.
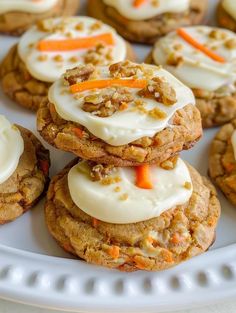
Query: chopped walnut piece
{"points": [[155, 3], [106, 104], [42, 57], [230, 43], [79, 26], [174, 59], [217, 34], [117, 189], [178, 47], [125, 69], [110, 180], [170, 164], [159, 89], [73, 59], [45, 25], [99, 171], [58, 58], [99, 55], [187, 185], [95, 26], [157, 114], [78, 74]]}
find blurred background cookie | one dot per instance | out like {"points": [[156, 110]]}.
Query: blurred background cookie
{"points": [[16, 16], [203, 58], [222, 160], [49, 48], [144, 21], [24, 170]]}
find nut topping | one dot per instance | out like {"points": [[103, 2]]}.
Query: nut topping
{"points": [[106, 104], [78, 74], [160, 90]]}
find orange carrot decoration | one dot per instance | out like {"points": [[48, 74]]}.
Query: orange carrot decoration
{"points": [[114, 252], [138, 3], [189, 39], [78, 132], [95, 222], [99, 84], [76, 43], [143, 179]]}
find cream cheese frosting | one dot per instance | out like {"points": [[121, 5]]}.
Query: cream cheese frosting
{"points": [[123, 202], [11, 148], [148, 9], [206, 73], [230, 7], [125, 126], [48, 66], [29, 6]]}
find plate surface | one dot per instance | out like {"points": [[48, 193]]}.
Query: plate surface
{"points": [[34, 270]]}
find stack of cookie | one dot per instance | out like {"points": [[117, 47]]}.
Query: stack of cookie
{"points": [[128, 202]]}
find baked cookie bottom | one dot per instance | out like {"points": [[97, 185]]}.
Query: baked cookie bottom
{"points": [[147, 31], [224, 19], [29, 181], [21, 87], [183, 232], [16, 23], [186, 130], [222, 164], [215, 111]]}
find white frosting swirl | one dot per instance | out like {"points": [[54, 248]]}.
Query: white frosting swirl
{"points": [[105, 203], [11, 148], [206, 73], [230, 7], [49, 66], [29, 6], [149, 9], [125, 126]]}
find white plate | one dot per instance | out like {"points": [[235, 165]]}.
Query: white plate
{"points": [[34, 270]]}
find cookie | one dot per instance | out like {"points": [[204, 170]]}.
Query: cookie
{"points": [[19, 15], [144, 22], [108, 115], [24, 166], [37, 61], [212, 68], [222, 161], [226, 14], [173, 236]]}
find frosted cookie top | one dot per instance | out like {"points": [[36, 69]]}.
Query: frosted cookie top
{"points": [[128, 194], [230, 7], [29, 6], [11, 148], [146, 9], [120, 103], [208, 53], [54, 45]]}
